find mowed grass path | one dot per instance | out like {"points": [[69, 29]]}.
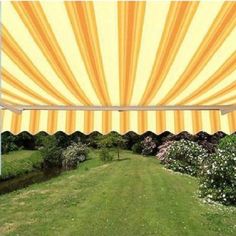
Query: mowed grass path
{"points": [[135, 196]]}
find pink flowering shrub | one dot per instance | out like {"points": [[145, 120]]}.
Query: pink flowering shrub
{"points": [[183, 156], [148, 146]]}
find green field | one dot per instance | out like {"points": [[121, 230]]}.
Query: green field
{"points": [[134, 196], [19, 162]]}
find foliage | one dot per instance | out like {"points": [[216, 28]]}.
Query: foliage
{"points": [[19, 163], [8, 142], [228, 143], [105, 154], [25, 141], [73, 154], [137, 148], [163, 150], [184, 156], [51, 153], [39, 139], [149, 146], [218, 175], [110, 140]]}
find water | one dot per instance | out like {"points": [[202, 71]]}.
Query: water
{"points": [[7, 186]]}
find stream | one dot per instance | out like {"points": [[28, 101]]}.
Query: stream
{"points": [[23, 181]]}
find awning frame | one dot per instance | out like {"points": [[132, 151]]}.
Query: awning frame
{"points": [[19, 108]]}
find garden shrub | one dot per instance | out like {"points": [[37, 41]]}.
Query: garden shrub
{"points": [[218, 175], [8, 143], [163, 150], [51, 153], [137, 148], [149, 146], [105, 155], [184, 156], [74, 154], [228, 143]]}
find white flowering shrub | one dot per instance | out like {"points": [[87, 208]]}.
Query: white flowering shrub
{"points": [[184, 156], [218, 175], [74, 154]]}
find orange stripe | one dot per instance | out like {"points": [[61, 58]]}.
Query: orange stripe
{"points": [[178, 20], [160, 121], [228, 101], [222, 26], [14, 96], [17, 55], [179, 121], [130, 26], [16, 123], [70, 121], [142, 121], [106, 122], [225, 70], [232, 121], [32, 15], [197, 121], [52, 122], [34, 122], [88, 122], [215, 121], [82, 18], [230, 88], [13, 81], [124, 122]]}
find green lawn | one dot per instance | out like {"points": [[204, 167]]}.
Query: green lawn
{"points": [[135, 196], [19, 162]]}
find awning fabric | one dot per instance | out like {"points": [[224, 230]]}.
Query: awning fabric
{"points": [[118, 53]]}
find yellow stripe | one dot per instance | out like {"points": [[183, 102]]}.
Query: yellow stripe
{"points": [[160, 121], [228, 101], [10, 79], [35, 20], [124, 121], [70, 121], [232, 121], [223, 25], [197, 121], [52, 122], [230, 88], [106, 121], [215, 121], [82, 18], [226, 69], [34, 122], [88, 122], [130, 26], [179, 18], [12, 49], [16, 123], [142, 121], [15, 97], [179, 121]]}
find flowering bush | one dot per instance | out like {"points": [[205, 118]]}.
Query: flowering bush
{"points": [[183, 156], [148, 145], [218, 175], [163, 150], [74, 154]]}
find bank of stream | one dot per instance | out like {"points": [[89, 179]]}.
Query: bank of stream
{"points": [[23, 181]]}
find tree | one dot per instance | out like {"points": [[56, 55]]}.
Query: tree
{"points": [[110, 140]]}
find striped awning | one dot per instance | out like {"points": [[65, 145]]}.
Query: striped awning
{"points": [[118, 54]]}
